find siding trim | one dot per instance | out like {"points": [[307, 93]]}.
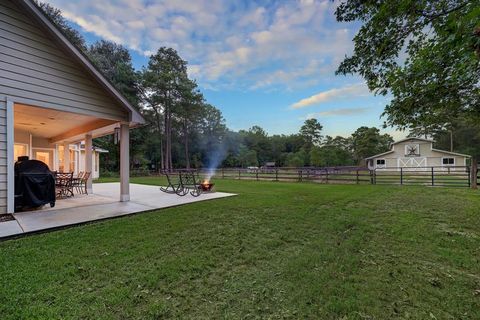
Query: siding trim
{"points": [[10, 152]]}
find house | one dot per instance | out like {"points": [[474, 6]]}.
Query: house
{"points": [[51, 99], [417, 153]]}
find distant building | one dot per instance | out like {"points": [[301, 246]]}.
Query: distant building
{"points": [[416, 153]]}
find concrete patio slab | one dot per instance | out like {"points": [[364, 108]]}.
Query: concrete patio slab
{"points": [[152, 196], [102, 204], [10, 228], [40, 220]]}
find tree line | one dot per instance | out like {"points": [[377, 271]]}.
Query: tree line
{"points": [[435, 93]]}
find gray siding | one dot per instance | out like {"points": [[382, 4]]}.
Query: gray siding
{"points": [[36, 70], [3, 156]]}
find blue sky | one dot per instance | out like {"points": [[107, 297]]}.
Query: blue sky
{"points": [[264, 62]]}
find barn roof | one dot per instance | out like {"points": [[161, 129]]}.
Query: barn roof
{"points": [[379, 155], [31, 8], [411, 139], [418, 139]]}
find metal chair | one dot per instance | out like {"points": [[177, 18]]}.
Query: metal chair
{"points": [[64, 184], [77, 181], [172, 187]]}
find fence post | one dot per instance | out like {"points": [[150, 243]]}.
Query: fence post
{"points": [[469, 177], [401, 176], [256, 174], [276, 174], [300, 175], [239, 174], [326, 175], [432, 177], [358, 181], [223, 173]]}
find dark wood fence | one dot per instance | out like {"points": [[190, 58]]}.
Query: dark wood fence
{"points": [[453, 176], [458, 176], [331, 174]]}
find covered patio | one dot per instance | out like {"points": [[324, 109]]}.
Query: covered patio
{"points": [[55, 137], [53, 101], [101, 204]]}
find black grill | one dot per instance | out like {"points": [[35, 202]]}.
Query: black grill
{"points": [[34, 184]]}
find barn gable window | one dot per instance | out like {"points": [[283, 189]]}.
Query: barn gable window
{"points": [[448, 161]]}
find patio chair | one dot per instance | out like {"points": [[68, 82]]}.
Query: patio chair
{"points": [[77, 181], [189, 183], [83, 182], [172, 186], [64, 184]]}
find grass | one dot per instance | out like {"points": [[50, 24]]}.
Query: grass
{"points": [[277, 250]]}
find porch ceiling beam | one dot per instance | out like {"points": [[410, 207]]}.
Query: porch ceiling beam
{"points": [[82, 130]]}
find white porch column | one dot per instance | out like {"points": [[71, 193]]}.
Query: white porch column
{"points": [[88, 161], [66, 157], [10, 157], [124, 163]]}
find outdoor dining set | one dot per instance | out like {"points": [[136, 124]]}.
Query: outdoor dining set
{"points": [[66, 183]]}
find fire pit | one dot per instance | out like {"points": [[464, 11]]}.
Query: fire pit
{"points": [[207, 186]]}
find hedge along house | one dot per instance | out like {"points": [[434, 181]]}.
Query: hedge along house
{"points": [[52, 97], [417, 153]]}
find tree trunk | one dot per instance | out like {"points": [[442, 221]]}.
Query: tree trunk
{"points": [[473, 173], [170, 163], [168, 139], [451, 140], [162, 164], [185, 136], [159, 128]]}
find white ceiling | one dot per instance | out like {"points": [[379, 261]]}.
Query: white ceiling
{"points": [[47, 123]]}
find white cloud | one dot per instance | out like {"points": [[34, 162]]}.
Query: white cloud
{"points": [[350, 91], [248, 45], [337, 112]]}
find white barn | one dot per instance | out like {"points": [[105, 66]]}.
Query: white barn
{"points": [[414, 153]]}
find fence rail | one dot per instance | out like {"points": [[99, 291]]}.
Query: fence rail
{"points": [[452, 176], [458, 176]]}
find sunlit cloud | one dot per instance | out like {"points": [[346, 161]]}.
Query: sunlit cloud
{"points": [[355, 90], [337, 112]]}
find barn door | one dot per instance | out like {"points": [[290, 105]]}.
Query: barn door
{"points": [[412, 162]]}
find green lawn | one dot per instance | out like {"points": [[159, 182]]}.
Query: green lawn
{"points": [[277, 250]]}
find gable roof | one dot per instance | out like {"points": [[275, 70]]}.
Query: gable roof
{"points": [[31, 8], [452, 153], [411, 139], [418, 139], [379, 155]]}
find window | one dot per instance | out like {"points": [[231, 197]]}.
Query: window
{"points": [[381, 163], [19, 150], [448, 161]]}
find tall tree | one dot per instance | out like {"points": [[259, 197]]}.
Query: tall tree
{"points": [[311, 131], [367, 142], [55, 15], [162, 87], [115, 62], [190, 111]]}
